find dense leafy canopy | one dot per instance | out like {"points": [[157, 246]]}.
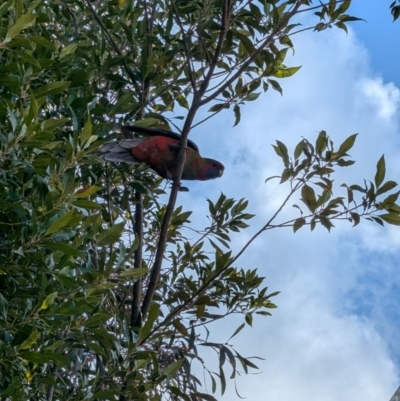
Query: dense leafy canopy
{"points": [[79, 238]]}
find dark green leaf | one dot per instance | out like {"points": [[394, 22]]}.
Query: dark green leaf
{"points": [[298, 224], [111, 235], [173, 368], [380, 171], [51, 88], [347, 145], [391, 218]]}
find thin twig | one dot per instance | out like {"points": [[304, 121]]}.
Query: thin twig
{"points": [[207, 283], [50, 390], [251, 58], [218, 50], [156, 269], [187, 52], [205, 119], [114, 46], [136, 320]]}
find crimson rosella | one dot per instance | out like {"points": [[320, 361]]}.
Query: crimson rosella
{"points": [[160, 152]]}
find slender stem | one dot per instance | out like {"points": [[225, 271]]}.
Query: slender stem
{"points": [[185, 44], [114, 46], [50, 390], [251, 58], [156, 269], [207, 283], [136, 320], [218, 50]]}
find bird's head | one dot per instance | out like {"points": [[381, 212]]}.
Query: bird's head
{"points": [[212, 169]]}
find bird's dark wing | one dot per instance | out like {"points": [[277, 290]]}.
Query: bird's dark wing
{"points": [[159, 132]]}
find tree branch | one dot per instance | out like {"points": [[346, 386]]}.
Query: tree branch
{"points": [[136, 320], [114, 46], [218, 50], [156, 269], [251, 58], [207, 283], [187, 53]]}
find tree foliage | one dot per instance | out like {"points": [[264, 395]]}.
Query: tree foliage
{"points": [[102, 294], [395, 9]]}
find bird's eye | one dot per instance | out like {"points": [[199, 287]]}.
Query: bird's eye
{"points": [[215, 165]]}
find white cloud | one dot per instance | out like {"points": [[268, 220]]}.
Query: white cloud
{"points": [[382, 99], [322, 343]]}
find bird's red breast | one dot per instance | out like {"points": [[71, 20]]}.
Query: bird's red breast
{"points": [[161, 154]]}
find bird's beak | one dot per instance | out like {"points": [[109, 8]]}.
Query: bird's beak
{"points": [[220, 173]]}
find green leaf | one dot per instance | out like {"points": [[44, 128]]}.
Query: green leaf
{"points": [[341, 25], [105, 395], [51, 88], [97, 319], [203, 396], [200, 310], [60, 222], [344, 6], [40, 40], [49, 300], [326, 222], [180, 395], [247, 43], [218, 107], [283, 151], [236, 111], [85, 204], [113, 234], [173, 368], [223, 381], [10, 81], [252, 96], [390, 200], [387, 186], [45, 357], [380, 171], [321, 143], [298, 224], [275, 85], [64, 248], [391, 218], [3, 307], [23, 22], [346, 145], [53, 123], [285, 72], [134, 273], [249, 319], [31, 340], [308, 197], [182, 101], [67, 50], [5, 6], [87, 191], [152, 316], [237, 331], [180, 327], [87, 131], [286, 174], [356, 218]]}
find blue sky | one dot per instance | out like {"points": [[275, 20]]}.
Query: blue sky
{"points": [[380, 35], [335, 333]]}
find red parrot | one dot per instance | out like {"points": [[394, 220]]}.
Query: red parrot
{"points": [[160, 152]]}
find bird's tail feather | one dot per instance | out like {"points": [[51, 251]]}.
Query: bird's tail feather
{"points": [[120, 151]]}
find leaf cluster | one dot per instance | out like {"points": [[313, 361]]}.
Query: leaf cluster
{"points": [[310, 169], [70, 72]]}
